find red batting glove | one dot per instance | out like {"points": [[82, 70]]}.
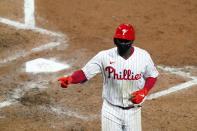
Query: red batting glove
{"points": [[65, 81], [139, 96]]}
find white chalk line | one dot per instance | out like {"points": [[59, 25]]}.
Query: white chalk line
{"points": [[34, 50], [19, 25], [29, 20], [19, 92], [172, 89], [61, 112], [178, 71], [16, 94], [5, 103], [74, 114], [184, 85], [29, 13], [45, 47]]}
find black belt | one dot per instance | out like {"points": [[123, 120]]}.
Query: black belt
{"points": [[129, 107], [124, 108]]}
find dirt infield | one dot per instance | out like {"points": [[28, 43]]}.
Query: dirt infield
{"points": [[35, 102]]}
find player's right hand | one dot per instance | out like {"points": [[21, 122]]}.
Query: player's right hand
{"points": [[65, 81]]}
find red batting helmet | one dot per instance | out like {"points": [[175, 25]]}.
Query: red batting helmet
{"points": [[125, 31]]}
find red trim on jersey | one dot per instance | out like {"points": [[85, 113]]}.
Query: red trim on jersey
{"points": [[150, 81], [131, 53], [78, 77]]}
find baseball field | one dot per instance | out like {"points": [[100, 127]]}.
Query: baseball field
{"points": [[43, 40]]}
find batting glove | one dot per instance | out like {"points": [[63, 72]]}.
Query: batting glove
{"points": [[138, 96], [65, 81]]}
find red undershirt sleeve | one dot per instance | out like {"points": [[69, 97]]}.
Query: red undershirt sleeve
{"points": [[78, 77], [150, 82]]}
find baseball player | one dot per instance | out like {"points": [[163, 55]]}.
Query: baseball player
{"points": [[128, 74]]}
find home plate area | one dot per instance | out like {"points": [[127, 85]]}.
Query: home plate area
{"points": [[43, 65]]}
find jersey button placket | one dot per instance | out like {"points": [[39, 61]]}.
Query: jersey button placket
{"points": [[124, 90], [124, 101]]}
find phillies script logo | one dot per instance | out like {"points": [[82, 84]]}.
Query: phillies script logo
{"points": [[125, 75]]}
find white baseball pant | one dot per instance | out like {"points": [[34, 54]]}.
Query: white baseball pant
{"points": [[115, 118]]}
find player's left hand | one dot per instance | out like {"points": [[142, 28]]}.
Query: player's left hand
{"points": [[138, 96]]}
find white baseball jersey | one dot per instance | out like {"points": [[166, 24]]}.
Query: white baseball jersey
{"points": [[121, 77]]}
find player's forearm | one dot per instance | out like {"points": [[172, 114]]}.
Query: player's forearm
{"points": [[78, 77], [150, 82]]}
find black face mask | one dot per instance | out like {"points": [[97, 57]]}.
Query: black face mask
{"points": [[122, 48]]}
